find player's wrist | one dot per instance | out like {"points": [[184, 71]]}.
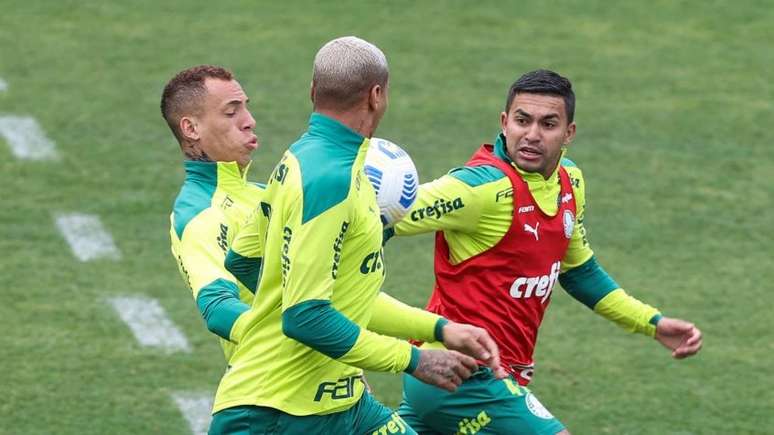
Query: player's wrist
{"points": [[416, 354], [439, 325]]}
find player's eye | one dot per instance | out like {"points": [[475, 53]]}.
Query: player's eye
{"points": [[230, 114], [521, 121]]}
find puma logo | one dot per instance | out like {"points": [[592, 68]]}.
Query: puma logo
{"points": [[533, 230]]}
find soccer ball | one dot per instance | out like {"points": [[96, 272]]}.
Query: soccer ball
{"points": [[394, 177]]}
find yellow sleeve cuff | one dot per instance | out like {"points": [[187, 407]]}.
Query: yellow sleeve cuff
{"points": [[627, 312]]}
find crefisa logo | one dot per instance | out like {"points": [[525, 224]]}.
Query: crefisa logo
{"points": [[568, 219]]}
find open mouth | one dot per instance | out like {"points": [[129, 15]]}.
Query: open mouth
{"points": [[529, 153]]}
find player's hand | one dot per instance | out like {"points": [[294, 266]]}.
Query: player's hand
{"points": [[444, 368], [476, 342], [366, 384], [681, 337]]}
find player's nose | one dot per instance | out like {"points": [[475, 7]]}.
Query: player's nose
{"points": [[533, 132], [249, 122]]}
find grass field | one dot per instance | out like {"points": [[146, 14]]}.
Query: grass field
{"points": [[674, 121]]}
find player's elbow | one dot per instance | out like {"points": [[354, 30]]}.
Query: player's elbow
{"points": [[213, 326], [231, 262], [291, 327], [219, 305], [244, 269]]}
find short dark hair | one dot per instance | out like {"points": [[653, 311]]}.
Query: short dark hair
{"points": [[183, 94], [544, 82]]}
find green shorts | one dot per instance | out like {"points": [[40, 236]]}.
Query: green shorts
{"points": [[481, 405], [366, 417]]}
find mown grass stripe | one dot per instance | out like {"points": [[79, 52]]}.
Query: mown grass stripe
{"points": [[196, 408], [26, 139], [87, 237], [149, 323]]}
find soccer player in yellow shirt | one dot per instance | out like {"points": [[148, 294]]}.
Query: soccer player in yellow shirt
{"points": [[319, 318], [206, 109]]}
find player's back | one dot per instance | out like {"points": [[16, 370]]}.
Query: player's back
{"points": [[322, 245]]}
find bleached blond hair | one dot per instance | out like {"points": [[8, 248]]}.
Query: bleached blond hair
{"points": [[346, 68]]}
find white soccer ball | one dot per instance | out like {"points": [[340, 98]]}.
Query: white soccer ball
{"points": [[394, 177]]}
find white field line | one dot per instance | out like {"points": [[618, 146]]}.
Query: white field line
{"points": [[197, 410], [3, 85], [149, 323], [26, 138], [88, 239]]}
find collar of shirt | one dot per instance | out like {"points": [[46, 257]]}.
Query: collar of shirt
{"points": [[223, 174], [334, 131]]}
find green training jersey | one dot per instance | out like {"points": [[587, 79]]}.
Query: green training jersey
{"points": [[214, 201], [306, 339]]}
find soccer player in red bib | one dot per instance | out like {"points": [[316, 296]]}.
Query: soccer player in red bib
{"points": [[509, 225]]}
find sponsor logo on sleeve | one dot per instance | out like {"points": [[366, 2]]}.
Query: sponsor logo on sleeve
{"points": [[337, 249], [507, 193], [223, 237], [287, 235], [439, 208]]}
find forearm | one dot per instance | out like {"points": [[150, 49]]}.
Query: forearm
{"points": [[220, 306], [628, 312], [593, 287], [244, 269], [396, 319], [316, 324]]}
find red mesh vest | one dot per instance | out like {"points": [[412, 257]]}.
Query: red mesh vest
{"points": [[507, 288]]}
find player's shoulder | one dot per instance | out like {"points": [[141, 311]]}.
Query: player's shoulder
{"points": [[475, 176], [194, 198], [573, 170], [324, 175]]}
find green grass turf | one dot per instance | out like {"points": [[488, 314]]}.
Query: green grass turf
{"points": [[674, 134]]}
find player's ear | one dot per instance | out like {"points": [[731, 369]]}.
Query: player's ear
{"points": [[189, 128], [570, 134], [503, 120], [311, 92], [376, 98]]}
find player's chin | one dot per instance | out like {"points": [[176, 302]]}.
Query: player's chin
{"points": [[532, 165]]}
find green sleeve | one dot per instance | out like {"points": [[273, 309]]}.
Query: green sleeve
{"points": [[318, 325], [220, 307], [244, 269]]}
